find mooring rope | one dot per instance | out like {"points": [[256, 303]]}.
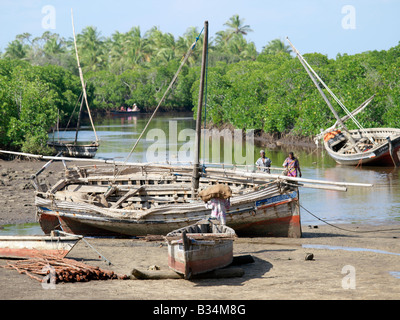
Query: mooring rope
{"points": [[348, 230]]}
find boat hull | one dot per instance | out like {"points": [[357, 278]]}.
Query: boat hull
{"points": [[30, 246], [385, 154], [267, 216], [77, 151], [125, 113], [200, 257], [200, 248]]}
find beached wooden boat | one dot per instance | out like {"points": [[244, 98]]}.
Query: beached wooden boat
{"points": [[199, 248], [12, 247], [384, 152], [364, 146], [156, 199]]}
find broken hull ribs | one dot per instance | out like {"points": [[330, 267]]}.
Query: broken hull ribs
{"points": [[276, 216]]}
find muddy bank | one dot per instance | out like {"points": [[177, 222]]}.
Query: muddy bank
{"points": [[345, 266], [352, 264], [271, 141], [17, 197]]}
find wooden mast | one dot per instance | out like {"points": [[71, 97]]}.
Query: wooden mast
{"points": [[81, 76], [196, 162], [79, 122], [339, 120]]}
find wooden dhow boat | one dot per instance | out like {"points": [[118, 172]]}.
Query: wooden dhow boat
{"points": [[72, 148], [199, 248], [155, 199], [364, 146]]}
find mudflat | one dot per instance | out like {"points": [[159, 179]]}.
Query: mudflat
{"points": [[355, 262]]}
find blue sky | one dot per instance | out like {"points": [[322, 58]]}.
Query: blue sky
{"points": [[323, 26]]}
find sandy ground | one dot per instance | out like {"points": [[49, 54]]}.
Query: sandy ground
{"points": [[280, 271]]}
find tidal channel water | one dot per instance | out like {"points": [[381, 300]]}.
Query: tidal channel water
{"points": [[171, 137]]}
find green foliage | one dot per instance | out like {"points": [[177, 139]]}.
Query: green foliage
{"points": [[269, 91], [30, 98], [276, 94]]}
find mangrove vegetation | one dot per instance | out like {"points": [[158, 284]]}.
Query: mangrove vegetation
{"points": [[267, 91]]}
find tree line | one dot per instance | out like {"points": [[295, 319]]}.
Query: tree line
{"points": [[267, 90]]}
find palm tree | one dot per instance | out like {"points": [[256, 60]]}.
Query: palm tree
{"points": [[91, 47], [136, 47], [185, 42], [54, 45], [276, 46], [16, 50], [235, 26], [161, 46]]}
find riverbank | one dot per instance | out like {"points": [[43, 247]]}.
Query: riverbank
{"points": [[271, 141], [17, 200], [359, 264], [345, 266]]}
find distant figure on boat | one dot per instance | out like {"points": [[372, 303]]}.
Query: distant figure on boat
{"points": [[135, 108], [122, 108], [292, 166], [263, 163], [218, 208]]}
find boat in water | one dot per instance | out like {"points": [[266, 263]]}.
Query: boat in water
{"points": [[363, 146], [199, 248], [73, 148]]}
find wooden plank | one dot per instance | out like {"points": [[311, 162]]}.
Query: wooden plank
{"points": [[127, 195], [230, 272]]}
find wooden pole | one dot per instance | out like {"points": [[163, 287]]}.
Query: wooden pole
{"points": [[237, 173], [196, 165], [79, 122], [81, 76]]}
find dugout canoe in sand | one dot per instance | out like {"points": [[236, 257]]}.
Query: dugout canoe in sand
{"points": [[12, 247], [199, 248]]}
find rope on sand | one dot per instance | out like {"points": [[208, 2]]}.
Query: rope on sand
{"points": [[344, 229]]}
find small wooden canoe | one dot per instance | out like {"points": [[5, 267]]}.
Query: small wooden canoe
{"points": [[70, 149], [199, 248], [13, 247]]}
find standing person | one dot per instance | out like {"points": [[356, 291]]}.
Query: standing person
{"points": [[263, 163], [292, 165], [218, 208]]}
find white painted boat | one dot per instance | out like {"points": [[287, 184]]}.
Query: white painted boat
{"points": [[12, 247]]}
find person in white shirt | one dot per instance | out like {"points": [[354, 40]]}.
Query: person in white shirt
{"points": [[263, 163]]}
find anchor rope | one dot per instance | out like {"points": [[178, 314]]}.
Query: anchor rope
{"points": [[344, 229]]}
